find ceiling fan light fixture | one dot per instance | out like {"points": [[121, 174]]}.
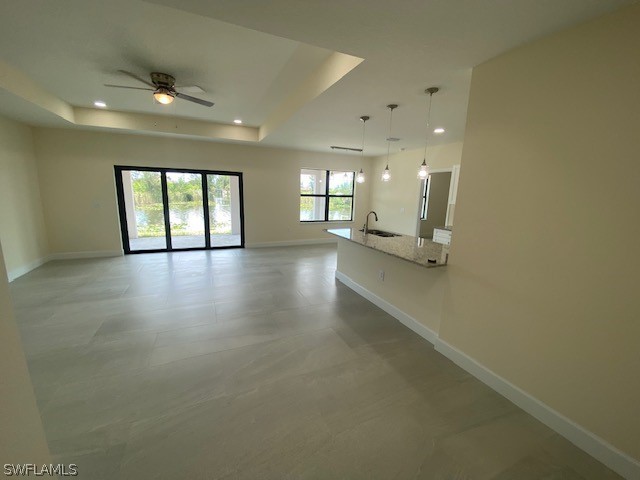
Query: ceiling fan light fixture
{"points": [[163, 96], [163, 87]]}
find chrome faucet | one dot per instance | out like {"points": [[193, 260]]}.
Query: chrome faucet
{"points": [[366, 224]]}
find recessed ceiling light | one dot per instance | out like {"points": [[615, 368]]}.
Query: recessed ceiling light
{"points": [[100, 104], [438, 130], [237, 121]]}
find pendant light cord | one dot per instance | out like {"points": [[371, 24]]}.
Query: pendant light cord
{"points": [[426, 137], [389, 137], [364, 126]]}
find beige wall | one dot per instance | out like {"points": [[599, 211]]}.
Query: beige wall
{"points": [[544, 269], [438, 201], [22, 230], [78, 189], [417, 289], [397, 202], [22, 437]]}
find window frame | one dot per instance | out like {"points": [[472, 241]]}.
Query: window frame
{"points": [[328, 196], [122, 213], [425, 198]]}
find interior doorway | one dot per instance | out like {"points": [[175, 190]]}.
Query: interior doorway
{"points": [[437, 201], [434, 203], [164, 209]]}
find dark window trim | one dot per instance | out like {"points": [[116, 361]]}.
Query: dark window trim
{"points": [[166, 212], [124, 230], [425, 198], [328, 195], [205, 211]]}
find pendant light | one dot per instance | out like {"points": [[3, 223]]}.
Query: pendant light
{"points": [[386, 174], [423, 173], [360, 177]]}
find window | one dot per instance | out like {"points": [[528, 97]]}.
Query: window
{"points": [[166, 209], [326, 195], [425, 196]]}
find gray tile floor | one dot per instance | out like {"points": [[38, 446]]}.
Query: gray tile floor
{"points": [[257, 364]]}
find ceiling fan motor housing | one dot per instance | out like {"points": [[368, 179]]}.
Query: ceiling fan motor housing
{"points": [[163, 80]]}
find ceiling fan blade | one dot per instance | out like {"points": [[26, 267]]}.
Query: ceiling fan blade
{"points": [[189, 88], [194, 99], [131, 88], [140, 79]]}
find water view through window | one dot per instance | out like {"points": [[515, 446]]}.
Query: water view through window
{"points": [[163, 209]]}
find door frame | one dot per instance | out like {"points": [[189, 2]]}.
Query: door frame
{"points": [[122, 213], [435, 170]]}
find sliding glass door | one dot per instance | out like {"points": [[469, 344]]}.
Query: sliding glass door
{"points": [[144, 212], [225, 223], [177, 209], [186, 210]]}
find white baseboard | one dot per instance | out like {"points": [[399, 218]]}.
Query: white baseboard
{"points": [[595, 446], [292, 243], [598, 448], [21, 270], [404, 318], [79, 255]]}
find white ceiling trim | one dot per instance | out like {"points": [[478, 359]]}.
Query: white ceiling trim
{"points": [[328, 73], [19, 84]]}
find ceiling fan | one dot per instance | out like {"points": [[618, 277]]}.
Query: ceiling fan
{"points": [[164, 87]]}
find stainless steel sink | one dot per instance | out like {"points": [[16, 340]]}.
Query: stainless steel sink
{"points": [[381, 233]]}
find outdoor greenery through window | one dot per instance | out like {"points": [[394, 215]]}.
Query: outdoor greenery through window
{"points": [[164, 209], [185, 196], [326, 195]]}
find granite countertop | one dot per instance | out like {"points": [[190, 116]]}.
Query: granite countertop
{"points": [[412, 249]]}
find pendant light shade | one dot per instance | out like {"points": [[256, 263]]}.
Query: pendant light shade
{"points": [[360, 178], [423, 172], [386, 174]]}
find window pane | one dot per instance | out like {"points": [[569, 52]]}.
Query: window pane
{"points": [[224, 210], [145, 213], [311, 208], [340, 208], [312, 181], [340, 183], [186, 213]]}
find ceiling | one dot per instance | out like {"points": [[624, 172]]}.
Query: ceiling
{"points": [[269, 63], [73, 47]]}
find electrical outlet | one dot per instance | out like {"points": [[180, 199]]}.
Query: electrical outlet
{"points": [[381, 275]]}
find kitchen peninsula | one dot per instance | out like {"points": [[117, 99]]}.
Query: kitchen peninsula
{"points": [[416, 250], [402, 274]]}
